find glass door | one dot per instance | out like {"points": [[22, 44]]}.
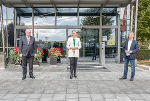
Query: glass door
{"points": [[89, 53]]}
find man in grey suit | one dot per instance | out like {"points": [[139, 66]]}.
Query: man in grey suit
{"points": [[27, 50], [130, 48]]}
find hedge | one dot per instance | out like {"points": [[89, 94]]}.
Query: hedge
{"points": [[143, 54]]}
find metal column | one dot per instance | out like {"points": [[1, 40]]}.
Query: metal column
{"points": [[131, 17], [15, 36], [67, 60], [7, 30], [118, 54], [33, 22], [100, 38], [2, 28], [136, 14]]}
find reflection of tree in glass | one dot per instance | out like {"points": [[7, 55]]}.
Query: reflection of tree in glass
{"points": [[10, 28], [93, 19]]}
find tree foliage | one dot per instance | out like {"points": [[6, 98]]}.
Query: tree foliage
{"points": [[143, 27]]}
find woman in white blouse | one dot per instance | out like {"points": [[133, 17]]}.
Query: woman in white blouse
{"points": [[73, 45]]}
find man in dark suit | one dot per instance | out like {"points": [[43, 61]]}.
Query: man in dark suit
{"points": [[130, 48], [27, 50]]}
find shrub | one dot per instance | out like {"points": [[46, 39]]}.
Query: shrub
{"points": [[143, 54]]}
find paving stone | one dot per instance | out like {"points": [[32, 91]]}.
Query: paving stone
{"points": [[19, 99], [22, 95], [72, 100], [8, 96], [109, 96], [84, 96], [135, 97], [52, 83], [111, 99], [32, 99], [85, 99], [59, 97], [97, 97], [146, 96], [72, 96], [34, 96]]}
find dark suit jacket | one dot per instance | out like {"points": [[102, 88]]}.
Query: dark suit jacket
{"points": [[24, 48], [134, 48]]}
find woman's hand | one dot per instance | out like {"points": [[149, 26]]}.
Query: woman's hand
{"points": [[74, 48]]}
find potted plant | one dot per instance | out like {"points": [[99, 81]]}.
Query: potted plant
{"points": [[54, 53], [45, 55], [37, 58], [14, 56]]}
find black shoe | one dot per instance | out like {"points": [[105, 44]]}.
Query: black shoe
{"points": [[24, 77], [122, 78], [32, 77], [75, 76], [70, 76], [131, 79]]}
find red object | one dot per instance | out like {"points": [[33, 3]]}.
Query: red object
{"points": [[123, 26]]}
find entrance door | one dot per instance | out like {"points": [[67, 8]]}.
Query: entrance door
{"points": [[89, 53]]}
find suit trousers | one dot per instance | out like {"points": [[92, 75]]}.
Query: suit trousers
{"points": [[24, 64], [73, 65]]}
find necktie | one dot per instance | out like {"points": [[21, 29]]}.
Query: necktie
{"points": [[28, 39]]}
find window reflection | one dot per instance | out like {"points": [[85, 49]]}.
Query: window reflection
{"points": [[111, 46], [89, 16], [44, 16], [46, 38], [67, 16], [90, 43], [24, 16], [109, 16]]}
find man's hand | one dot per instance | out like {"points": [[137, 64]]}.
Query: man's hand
{"points": [[126, 51], [21, 55], [130, 51], [35, 55]]}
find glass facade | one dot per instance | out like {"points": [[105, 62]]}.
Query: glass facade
{"points": [[8, 27], [110, 44], [44, 16], [66, 16], [0, 33], [52, 26], [47, 38], [24, 16], [89, 16]]}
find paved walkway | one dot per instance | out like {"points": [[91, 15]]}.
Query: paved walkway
{"points": [[52, 83]]}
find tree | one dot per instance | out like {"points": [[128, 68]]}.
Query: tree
{"points": [[143, 27]]}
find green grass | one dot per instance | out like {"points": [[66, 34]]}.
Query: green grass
{"points": [[143, 63]]}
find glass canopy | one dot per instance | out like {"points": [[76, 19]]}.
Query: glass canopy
{"points": [[66, 3]]}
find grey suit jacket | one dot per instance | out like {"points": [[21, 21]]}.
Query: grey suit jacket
{"points": [[134, 48], [24, 48]]}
